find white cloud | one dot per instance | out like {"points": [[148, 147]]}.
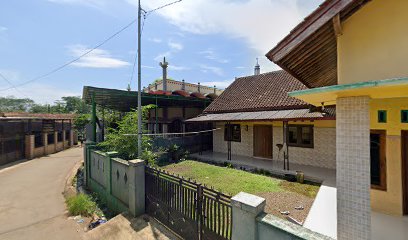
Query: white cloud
{"points": [[216, 70], [175, 46], [219, 84], [148, 67], [99, 58], [211, 55], [155, 40], [3, 29], [262, 23], [177, 68]]}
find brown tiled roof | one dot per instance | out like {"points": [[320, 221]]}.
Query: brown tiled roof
{"points": [[268, 91], [36, 115]]}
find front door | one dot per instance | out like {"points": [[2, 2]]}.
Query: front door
{"points": [[404, 151], [263, 141]]}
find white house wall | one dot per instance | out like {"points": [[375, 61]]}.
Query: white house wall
{"points": [[323, 154]]}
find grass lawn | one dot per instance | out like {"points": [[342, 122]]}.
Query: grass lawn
{"points": [[280, 195], [232, 181]]}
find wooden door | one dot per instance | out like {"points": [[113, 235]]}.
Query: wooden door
{"points": [[263, 141], [404, 151]]}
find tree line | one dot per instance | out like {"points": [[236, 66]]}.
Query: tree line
{"points": [[68, 104]]}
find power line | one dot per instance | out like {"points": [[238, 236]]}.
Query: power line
{"points": [[158, 8], [12, 85], [75, 59]]}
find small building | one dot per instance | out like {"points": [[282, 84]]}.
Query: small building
{"points": [[27, 135], [256, 118]]}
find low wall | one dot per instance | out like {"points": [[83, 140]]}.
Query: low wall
{"points": [[60, 146], [39, 151], [118, 183], [271, 227], [50, 148], [250, 222], [10, 157]]}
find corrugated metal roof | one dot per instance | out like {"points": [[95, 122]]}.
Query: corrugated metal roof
{"points": [[328, 114]]}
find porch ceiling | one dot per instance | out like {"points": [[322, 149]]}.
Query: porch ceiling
{"points": [[390, 88]]}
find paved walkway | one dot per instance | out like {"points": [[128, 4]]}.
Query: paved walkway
{"points": [[31, 202]]}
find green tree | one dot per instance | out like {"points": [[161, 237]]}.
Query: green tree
{"points": [[80, 121], [124, 139], [12, 104]]}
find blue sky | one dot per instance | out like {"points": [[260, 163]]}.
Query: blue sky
{"points": [[207, 41]]}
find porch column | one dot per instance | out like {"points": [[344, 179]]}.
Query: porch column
{"points": [[29, 146], [353, 168]]}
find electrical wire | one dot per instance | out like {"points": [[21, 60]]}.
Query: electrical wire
{"points": [[146, 13], [12, 85], [158, 8], [75, 59]]}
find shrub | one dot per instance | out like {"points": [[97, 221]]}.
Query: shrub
{"points": [[81, 205], [124, 139]]}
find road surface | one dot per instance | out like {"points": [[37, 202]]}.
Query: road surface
{"points": [[31, 202]]}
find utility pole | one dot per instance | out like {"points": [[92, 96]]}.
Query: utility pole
{"points": [[139, 84]]}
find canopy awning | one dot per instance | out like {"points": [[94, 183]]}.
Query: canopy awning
{"points": [[389, 88], [125, 101], [286, 115]]}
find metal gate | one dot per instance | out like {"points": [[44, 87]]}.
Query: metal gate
{"points": [[188, 208]]}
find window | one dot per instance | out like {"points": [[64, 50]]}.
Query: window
{"points": [[59, 136], [50, 138], [300, 136], [404, 116], [38, 140], [232, 132], [67, 135], [377, 159], [382, 116]]}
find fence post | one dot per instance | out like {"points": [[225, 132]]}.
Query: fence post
{"points": [[136, 187], [200, 216], [245, 208], [87, 161], [108, 171]]}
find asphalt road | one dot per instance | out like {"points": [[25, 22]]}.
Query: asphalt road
{"points": [[31, 202]]}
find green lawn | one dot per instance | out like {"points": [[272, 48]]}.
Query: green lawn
{"points": [[232, 181]]}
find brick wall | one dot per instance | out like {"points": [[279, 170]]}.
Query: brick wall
{"points": [[322, 155]]}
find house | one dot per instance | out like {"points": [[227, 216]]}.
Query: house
{"points": [[28, 135], [353, 54], [255, 113]]}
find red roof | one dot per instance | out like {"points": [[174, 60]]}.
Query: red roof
{"points": [[37, 115], [264, 92]]}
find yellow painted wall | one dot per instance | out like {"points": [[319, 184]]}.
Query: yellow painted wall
{"points": [[374, 43], [390, 201]]}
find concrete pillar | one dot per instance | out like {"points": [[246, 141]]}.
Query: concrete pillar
{"points": [[245, 208], [45, 142], [136, 187], [353, 168], [56, 141], [63, 139], [29, 146], [88, 146], [71, 137]]}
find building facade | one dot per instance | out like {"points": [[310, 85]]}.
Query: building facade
{"points": [[28, 136], [361, 69]]}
